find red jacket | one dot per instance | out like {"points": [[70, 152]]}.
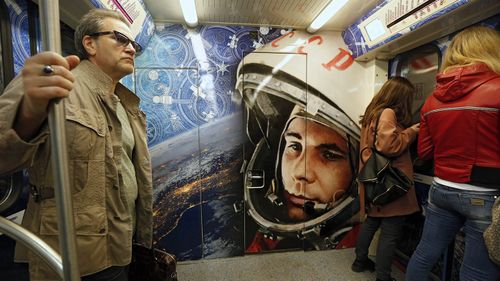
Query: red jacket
{"points": [[460, 126]]}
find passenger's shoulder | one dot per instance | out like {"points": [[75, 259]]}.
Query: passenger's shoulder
{"points": [[388, 113]]}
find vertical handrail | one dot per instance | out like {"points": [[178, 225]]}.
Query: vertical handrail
{"points": [[34, 243], [51, 39]]}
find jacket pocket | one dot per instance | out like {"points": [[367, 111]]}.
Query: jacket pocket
{"points": [[89, 222], [87, 182], [85, 131]]}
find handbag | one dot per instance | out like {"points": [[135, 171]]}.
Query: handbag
{"points": [[152, 265], [492, 233], [383, 183]]}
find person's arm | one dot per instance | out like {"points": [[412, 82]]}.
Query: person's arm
{"points": [[23, 108], [390, 141], [40, 88], [425, 146]]}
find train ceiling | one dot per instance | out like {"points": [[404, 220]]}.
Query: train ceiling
{"points": [[296, 14]]}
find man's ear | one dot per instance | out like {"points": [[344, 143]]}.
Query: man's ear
{"points": [[89, 44]]}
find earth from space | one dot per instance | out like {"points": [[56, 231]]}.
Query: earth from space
{"points": [[197, 186]]}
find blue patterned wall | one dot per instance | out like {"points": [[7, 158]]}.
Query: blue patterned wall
{"points": [[18, 13], [186, 80]]}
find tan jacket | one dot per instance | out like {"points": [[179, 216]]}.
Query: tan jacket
{"points": [[103, 224], [392, 141]]}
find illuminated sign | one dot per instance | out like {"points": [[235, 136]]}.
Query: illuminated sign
{"points": [[132, 10], [375, 29], [397, 16]]}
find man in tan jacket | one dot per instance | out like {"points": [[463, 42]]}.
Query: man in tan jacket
{"points": [[109, 163]]}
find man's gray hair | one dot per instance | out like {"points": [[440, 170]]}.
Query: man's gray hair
{"points": [[91, 23]]}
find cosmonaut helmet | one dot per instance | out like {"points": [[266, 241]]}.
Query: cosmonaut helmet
{"points": [[299, 75]]}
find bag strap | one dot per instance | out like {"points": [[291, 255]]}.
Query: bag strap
{"points": [[376, 128], [362, 211]]}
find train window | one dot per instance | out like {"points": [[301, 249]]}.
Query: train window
{"points": [[67, 33], [67, 40], [420, 66]]}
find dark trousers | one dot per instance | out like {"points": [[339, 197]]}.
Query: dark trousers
{"points": [[114, 273], [390, 230]]}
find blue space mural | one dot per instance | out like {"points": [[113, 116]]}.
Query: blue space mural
{"points": [[186, 79]]}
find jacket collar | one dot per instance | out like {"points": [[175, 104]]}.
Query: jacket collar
{"points": [[103, 85]]}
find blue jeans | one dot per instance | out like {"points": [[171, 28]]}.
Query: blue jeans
{"points": [[449, 210]]}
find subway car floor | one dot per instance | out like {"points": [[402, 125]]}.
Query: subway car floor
{"points": [[331, 265]]}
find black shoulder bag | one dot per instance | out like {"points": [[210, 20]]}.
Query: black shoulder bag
{"points": [[383, 183], [152, 265]]}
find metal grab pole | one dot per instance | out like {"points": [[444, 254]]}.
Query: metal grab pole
{"points": [[51, 39], [34, 243]]}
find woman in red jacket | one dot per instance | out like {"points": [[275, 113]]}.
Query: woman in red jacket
{"points": [[393, 138], [460, 130]]}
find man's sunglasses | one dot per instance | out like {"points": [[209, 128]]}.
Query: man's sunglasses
{"points": [[121, 38]]}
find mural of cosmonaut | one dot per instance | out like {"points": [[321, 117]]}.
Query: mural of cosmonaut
{"points": [[185, 79], [302, 93]]}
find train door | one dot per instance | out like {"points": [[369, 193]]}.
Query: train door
{"points": [[175, 158], [196, 136], [269, 223], [301, 95]]}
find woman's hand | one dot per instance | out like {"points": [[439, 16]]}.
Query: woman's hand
{"points": [[416, 127]]}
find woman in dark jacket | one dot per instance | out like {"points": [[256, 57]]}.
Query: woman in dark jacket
{"points": [[461, 132], [393, 138]]}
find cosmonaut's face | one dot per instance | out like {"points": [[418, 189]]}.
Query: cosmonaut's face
{"points": [[314, 166]]}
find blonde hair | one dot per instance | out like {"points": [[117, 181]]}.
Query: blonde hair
{"points": [[477, 44]]}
